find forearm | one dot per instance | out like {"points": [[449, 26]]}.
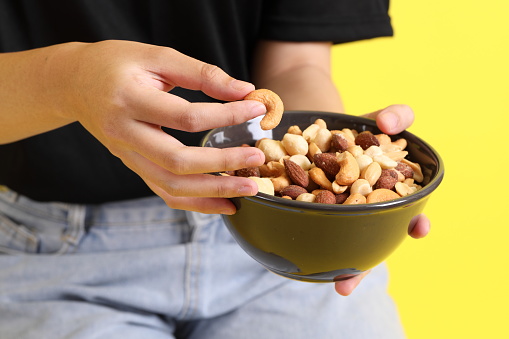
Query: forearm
{"points": [[305, 88], [28, 101], [299, 73]]}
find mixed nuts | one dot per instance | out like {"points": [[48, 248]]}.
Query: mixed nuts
{"points": [[334, 166]]}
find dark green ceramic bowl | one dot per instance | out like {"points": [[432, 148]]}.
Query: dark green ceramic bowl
{"points": [[319, 242]]}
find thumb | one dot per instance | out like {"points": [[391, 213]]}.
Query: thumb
{"points": [[393, 119], [180, 70]]}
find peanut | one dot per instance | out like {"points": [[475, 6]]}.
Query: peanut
{"points": [[317, 162], [294, 130], [310, 132], [372, 173], [361, 186], [323, 139], [301, 160], [309, 197], [273, 149], [295, 144], [264, 185]]}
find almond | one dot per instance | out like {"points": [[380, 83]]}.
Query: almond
{"points": [[328, 163], [385, 181], [389, 172], [366, 139], [325, 197], [341, 198], [296, 173], [405, 169], [339, 142], [248, 172], [292, 191]]}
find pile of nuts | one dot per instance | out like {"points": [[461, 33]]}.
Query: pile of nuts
{"points": [[334, 166]]}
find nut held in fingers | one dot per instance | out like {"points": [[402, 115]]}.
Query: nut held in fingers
{"points": [[273, 104]]}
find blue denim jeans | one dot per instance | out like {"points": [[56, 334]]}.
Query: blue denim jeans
{"points": [[138, 269]]}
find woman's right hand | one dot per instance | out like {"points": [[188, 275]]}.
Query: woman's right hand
{"points": [[118, 91]]}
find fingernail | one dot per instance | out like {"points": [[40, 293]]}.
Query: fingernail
{"points": [[246, 190], [239, 85], [257, 109], [228, 212], [391, 120], [254, 161]]}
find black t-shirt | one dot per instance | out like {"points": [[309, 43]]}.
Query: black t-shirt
{"points": [[70, 165]]}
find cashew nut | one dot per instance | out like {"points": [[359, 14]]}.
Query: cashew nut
{"points": [[273, 104], [383, 139], [349, 171], [355, 199], [318, 176], [313, 149], [355, 150], [336, 188], [402, 143], [281, 182], [272, 169], [381, 194]]}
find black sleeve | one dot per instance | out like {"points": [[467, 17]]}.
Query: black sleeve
{"points": [[338, 21]]}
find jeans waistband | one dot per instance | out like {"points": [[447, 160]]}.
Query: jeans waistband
{"points": [[53, 227]]}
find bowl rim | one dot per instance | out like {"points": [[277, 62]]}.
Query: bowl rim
{"points": [[318, 207]]}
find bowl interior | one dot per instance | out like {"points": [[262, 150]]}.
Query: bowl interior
{"points": [[250, 131]]}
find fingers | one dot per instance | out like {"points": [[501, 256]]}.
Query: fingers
{"points": [[346, 287], [393, 119], [190, 185], [178, 69], [202, 205], [165, 151], [419, 226], [163, 109]]}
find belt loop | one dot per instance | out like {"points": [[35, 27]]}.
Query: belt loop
{"points": [[75, 230]]}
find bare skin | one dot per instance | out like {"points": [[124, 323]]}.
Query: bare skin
{"points": [[118, 91]]}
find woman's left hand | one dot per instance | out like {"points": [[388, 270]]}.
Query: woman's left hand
{"points": [[391, 120]]}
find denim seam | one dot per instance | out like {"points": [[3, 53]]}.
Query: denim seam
{"points": [[30, 241], [166, 224], [33, 211], [186, 305], [72, 236]]}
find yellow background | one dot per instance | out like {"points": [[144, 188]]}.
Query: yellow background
{"points": [[448, 60]]}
